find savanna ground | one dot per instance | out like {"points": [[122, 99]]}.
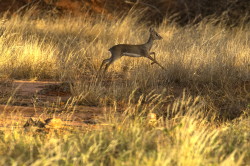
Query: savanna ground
{"points": [[202, 100]]}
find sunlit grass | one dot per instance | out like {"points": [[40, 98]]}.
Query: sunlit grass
{"points": [[210, 64], [186, 138], [205, 60]]}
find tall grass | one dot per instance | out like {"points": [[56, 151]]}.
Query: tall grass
{"points": [[187, 138], [206, 60], [209, 63]]}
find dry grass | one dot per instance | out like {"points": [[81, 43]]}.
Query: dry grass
{"points": [[187, 138], [210, 63], [206, 60]]}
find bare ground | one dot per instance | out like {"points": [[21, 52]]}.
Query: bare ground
{"points": [[35, 99]]}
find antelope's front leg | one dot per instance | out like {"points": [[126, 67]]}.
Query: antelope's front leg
{"points": [[154, 61], [152, 53]]}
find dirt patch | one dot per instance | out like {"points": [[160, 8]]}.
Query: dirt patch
{"points": [[16, 116], [40, 91], [28, 91], [27, 88]]}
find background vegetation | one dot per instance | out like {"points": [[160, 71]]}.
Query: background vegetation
{"points": [[230, 12]]}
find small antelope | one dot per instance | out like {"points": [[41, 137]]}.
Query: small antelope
{"points": [[142, 50]]}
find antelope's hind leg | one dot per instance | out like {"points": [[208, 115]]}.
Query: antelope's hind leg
{"points": [[112, 60], [115, 55], [105, 61]]}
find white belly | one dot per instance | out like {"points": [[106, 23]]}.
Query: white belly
{"points": [[131, 54]]}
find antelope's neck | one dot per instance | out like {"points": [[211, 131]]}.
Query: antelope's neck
{"points": [[149, 43]]}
